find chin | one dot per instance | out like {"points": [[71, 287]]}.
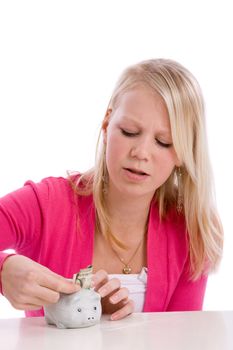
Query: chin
{"points": [[136, 193]]}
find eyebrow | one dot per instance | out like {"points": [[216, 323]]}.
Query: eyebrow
{"points": [[161, 132]]}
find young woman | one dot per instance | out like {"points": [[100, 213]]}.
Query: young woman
{"points": [[144, 216]]}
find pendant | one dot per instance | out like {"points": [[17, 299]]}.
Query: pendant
{"points": [[126, 270]]}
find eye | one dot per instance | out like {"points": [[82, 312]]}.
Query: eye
{"points": [[129, 134], [95, 308], [162, 144], [79, 309]]}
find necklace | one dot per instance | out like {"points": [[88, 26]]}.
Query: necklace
{"points": [[127, 269]]}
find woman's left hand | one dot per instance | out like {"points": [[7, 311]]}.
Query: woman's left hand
{"points": [[115, 300]]}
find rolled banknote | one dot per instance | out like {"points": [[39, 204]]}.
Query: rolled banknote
{"points": [[83, 277]]}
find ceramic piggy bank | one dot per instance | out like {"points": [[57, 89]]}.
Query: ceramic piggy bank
{"points": [[80, 309]]}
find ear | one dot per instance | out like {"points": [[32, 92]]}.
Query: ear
{"points": [[178, 163], [105, 124]]}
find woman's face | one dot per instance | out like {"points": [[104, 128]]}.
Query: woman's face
{"points": [[139, 151]]}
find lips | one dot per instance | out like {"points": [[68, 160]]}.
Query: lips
{"points": [[136, 171]]}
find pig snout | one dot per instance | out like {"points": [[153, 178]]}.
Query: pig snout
{"points": [[89, 315]]}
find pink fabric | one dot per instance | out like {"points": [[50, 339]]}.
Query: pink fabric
{"points": [[40, 222]]}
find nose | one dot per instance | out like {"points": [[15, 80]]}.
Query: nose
{"points": [[140, 149]]}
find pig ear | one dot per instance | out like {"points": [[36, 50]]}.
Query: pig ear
{"points": [[77, 297], [96, 296]]}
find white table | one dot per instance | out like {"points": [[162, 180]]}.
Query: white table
{"points": [[178, 330]]}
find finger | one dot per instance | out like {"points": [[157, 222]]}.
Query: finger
{"points": [[124, 311], [39, 296], [121, 295], [44, 296], [31, 290], [27, 307], [99, 279], [58, 283], [109, 287]]}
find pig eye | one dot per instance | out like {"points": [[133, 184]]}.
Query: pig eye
{"points": [[79, 309], [95, 308]]}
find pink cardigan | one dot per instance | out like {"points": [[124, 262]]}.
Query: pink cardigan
{"points": [[40, 222]]}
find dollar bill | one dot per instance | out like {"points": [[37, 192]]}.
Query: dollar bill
{"points": [[83, 277]]}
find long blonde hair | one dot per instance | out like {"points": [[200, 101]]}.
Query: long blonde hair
{"points": [[183, 98]]}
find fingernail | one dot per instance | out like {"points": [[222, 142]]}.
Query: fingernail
{"points": [[114, 317], [102, 292], [114, 299]]}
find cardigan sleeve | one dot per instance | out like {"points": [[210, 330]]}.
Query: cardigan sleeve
{"points": [[20, 220], [188, 294]]}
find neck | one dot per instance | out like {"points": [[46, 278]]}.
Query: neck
{"points": [[129, 216]]}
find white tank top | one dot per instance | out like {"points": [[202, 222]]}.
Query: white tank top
{"points": [[136, 284]]}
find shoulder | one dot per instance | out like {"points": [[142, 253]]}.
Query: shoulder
{"points": [[173, 221], [176, 223], [173, 227], [45, 189], [52, 189], [177, 240], [49, 185], [59, 191]]}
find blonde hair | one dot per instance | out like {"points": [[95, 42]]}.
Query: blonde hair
{"points": [[183, 98]]}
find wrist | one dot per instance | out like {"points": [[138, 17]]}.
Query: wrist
{"points": [[3, 257]]}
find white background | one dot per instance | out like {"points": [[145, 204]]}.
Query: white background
{"points": [[59, 61]]}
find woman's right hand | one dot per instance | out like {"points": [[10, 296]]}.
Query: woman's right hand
{"points": [[29, 286]]}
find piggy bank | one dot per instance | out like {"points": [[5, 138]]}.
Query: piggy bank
{"points": [[80, 309]]}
